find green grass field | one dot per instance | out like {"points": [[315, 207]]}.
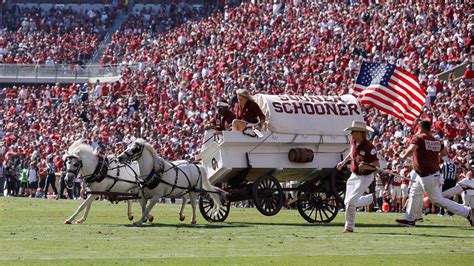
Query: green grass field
{"points": [[32, 232]]}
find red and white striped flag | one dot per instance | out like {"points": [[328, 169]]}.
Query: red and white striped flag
{"points": [[390, 89]]}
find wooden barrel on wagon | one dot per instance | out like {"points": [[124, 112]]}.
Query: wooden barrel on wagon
{"points": [[300, 155]]}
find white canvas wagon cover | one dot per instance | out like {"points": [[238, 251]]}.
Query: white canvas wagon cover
{"points": [[309, 115]]}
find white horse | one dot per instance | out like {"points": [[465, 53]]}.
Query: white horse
{"points": [[100, 174], [177, 179]]}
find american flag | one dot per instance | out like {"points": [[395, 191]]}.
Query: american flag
{"points": [[390, 89]]}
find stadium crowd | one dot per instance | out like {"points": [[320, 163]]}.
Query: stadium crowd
{"points": [[60, 35], [180, 61]]}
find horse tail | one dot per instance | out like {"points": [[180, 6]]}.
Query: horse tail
{"points": [[206, 185]]}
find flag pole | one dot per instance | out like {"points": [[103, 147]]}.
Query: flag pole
{"points": [[358, 72]]}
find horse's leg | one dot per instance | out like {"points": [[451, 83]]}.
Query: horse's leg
{"points": [[129, 210], [217, 199], [87, 202], [149, 217], [181, 211], [193, 197], [218, 202], [86, 212], [150, 205]]}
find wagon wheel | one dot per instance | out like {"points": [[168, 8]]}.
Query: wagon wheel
{"points": [[316, 206], [268, 195], [338, 182], [206, 204]]}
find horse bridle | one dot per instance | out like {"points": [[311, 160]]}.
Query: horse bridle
{"points": [[134, 155], [76, 171]]}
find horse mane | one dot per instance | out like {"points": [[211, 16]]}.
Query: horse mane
{"points": [[79, 146], [158, 162]]}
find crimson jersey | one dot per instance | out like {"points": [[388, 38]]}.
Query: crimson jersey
{"points": [[364, 152], [425, 157]]}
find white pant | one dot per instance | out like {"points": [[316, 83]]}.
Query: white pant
{"points": [[467, 196], [356, 186], [396, 192], [432, 186], [404, 188]]}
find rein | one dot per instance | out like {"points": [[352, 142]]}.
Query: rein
{"points": [[101, 170]]}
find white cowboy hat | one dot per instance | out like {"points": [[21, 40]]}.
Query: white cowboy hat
{"points": [[359, 126], [222, 104], [244, 93]]}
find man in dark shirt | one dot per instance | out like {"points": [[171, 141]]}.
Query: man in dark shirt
{"points": [[426, 151], [51, 176], [222, 120], [448, 172], [363, 159], [2, 180]]}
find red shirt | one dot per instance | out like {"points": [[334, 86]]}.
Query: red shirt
{"points": [[223, 121], [425, 157], [405, 173], [250, 112], [364, 152], [468, 74], [396, 181]]}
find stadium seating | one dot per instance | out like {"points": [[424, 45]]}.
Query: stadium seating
{"points": [[189, 58]]}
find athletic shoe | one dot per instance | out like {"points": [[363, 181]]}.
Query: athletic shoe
{"points": [[348, 230], [419, 220], [406, 223]]}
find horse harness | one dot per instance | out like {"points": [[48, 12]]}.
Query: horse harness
{"points": [[100, 173], [156, 177]]}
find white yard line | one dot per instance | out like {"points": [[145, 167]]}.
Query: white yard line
{"points": [[276, 254]]}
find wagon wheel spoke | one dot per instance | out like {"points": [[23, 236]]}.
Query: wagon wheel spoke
{"points": [[312, 210], [267, 193], [329, 205], [265, 184], [327, 210], [206, 205], [273, 203], [309, 206], [325, 214], [316, 207], [220, 214]]}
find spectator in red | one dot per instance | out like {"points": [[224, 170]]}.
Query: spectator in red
{"points": [[396, 190], [468, 73]]}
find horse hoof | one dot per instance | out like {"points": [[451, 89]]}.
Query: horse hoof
{"points": [[151, 218], [78, 222], [182, 217], [130, 218], [192, 222], [67, 222]]}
